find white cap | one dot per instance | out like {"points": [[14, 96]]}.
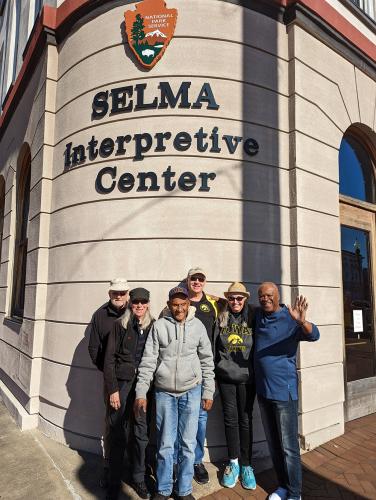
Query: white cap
{"points": [[196, 270], [119, 285]]}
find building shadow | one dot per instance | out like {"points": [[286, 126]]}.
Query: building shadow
{"points": [[314, 486], [86, 411]]}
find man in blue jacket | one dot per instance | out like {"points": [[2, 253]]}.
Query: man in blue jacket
{"points": [[279, 329]]}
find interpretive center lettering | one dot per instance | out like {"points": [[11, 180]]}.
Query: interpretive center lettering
{"points": [[130, 99]]}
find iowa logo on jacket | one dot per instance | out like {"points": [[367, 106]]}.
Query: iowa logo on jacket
{"points": [[235, 339], [150, 29]]}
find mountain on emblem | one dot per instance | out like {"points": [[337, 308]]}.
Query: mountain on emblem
{"points": [[150, 29]]}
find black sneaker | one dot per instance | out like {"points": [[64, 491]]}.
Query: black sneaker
{"points": [[201, 475], [141, 489], [103, 481]]}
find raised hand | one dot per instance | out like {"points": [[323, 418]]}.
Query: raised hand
{"points": [[298, 311]]}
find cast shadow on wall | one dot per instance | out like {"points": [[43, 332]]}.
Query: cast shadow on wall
{"points": [[84, 419]]}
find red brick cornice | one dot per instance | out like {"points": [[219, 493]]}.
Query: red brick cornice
{"points": [[53, 19], [332, 17]]}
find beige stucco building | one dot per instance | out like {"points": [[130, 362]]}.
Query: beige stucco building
{"points": [[273, 89]]}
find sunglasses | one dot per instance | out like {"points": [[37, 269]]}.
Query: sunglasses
{"points": [[115, 292], [139, 301], [237, 299], [201, 279]]}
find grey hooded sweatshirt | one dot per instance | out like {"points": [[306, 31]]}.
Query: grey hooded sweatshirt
{"points": [[179, 357]]}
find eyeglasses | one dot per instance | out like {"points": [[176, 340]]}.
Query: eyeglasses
{"points": [[115, 292], [139, 301], [237, 299], [201, 279]]}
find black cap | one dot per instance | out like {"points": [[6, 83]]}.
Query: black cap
{"points": [[139, 293], [178, 290]]}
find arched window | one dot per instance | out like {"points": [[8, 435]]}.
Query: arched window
{"points": [[358, 251], [356, 171], [22, 220]]}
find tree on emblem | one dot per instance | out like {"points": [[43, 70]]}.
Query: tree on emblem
{"points": [[138, 32]]}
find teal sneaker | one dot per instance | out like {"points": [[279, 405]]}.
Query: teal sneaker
{"points": [[230, 475], [247, 477]]}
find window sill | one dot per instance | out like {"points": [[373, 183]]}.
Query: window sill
{"points": [[14, 323]]}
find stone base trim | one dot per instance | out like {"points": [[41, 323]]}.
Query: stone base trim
{"points": [[24, 420]]}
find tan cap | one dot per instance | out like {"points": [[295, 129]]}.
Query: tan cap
{"points": [[196, 270], [237, 287], [119, 285]]}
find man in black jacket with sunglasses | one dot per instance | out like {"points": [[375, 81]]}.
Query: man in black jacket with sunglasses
{"points": [[100, 327]]}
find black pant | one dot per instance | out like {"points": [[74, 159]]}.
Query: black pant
{"points": [[125, 428], [237, 403]]}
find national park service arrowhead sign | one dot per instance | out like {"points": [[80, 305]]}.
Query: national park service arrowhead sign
{"points": [[149, 29]]}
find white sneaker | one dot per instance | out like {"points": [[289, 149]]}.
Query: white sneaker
{"points": [[279, 494]]}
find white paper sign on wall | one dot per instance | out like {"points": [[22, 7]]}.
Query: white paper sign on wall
{"points": [[358, 320]]}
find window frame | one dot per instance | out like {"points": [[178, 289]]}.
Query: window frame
{"points": [[21, 238]]}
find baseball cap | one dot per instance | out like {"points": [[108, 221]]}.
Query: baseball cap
{"points": [[196, 270], [119, 285], [177, 290]]}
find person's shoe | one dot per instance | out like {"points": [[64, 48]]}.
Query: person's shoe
{"points": [[187, 497], [103, 481], [159, 496], [200, 475], [247, 477], [279, 494], [141, 489], [230, 475]]}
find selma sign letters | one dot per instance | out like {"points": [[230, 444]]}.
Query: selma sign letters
{"points": [[132, 99]]}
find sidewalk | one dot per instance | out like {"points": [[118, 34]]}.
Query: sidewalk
{"points": [[344, 468], [34, 467]]}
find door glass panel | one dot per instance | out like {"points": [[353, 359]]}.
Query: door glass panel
{"points": [[357, 300]]}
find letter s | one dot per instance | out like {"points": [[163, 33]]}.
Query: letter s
{"points": [[100, 105]]}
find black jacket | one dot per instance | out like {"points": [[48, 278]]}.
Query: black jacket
{"points": [[100, 327], [119, 363], [233, 349]]}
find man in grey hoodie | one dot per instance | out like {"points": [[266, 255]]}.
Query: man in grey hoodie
{"points": [[178, 355]]}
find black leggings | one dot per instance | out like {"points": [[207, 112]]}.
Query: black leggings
{"points": [[123, 424], [237, 403]]}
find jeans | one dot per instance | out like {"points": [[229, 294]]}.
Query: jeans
{"points": [[237, 403], [124, 424], [200, 438], [176, 417], [280, 420], [201, 435]]}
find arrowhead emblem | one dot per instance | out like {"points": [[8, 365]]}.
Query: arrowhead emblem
{"points": [[150, 28]]}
